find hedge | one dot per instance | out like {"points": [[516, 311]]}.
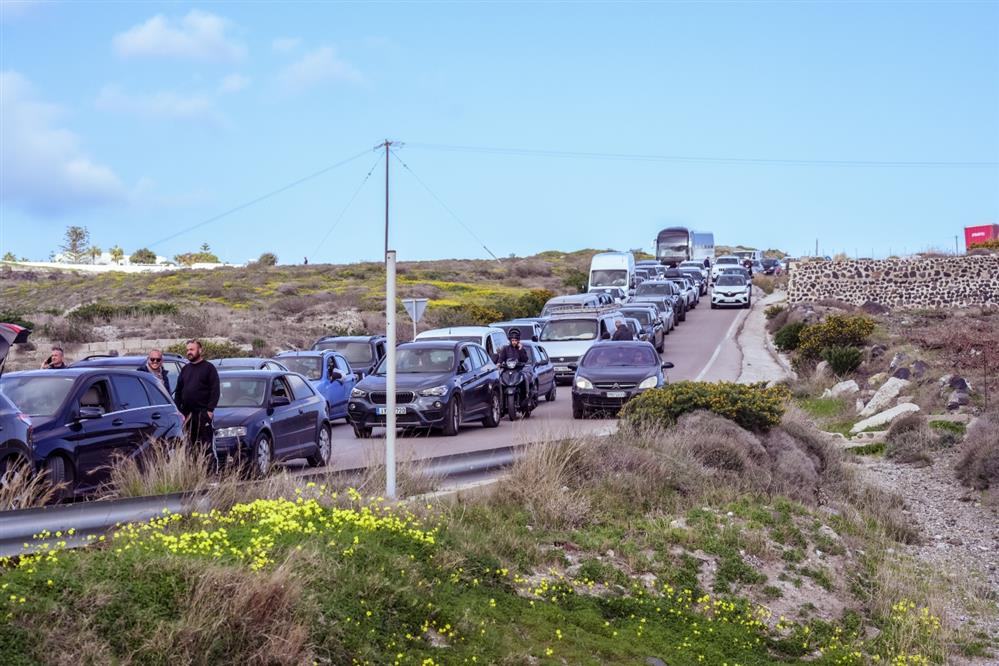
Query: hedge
{"points": [[752, 406], [211, 349]]}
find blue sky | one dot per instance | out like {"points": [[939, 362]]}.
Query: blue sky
{"points": [[141, 120]]}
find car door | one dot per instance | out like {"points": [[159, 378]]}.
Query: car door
{"points": [[466, 380], [479, 383], [95, 440], [136, 411], [306, 402], [544, 370], [339, 388], [486, 376], [284, 419]]}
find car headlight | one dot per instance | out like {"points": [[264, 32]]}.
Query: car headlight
{"points": [[583, 383], [238, 431], [650, 382], [357, 393], [436, 391]]}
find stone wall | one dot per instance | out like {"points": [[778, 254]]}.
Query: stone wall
{"points": [[899, 283]]}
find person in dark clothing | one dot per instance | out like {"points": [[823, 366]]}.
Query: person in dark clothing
{"points": [[197, 394], [514, 351], [56, 361], [154, 366], [621, 331]]}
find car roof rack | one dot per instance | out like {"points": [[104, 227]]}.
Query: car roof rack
{"points": [[577, 310]]}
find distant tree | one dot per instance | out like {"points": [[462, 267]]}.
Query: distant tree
{"points": [[205, 248], [143, 256], [76, 240], [203, 257], [268, 259], [9, 257], [94, 253], [117, 254]]}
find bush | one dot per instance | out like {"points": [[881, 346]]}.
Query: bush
{"points": [[910, 440], [834, 331], [764, 282], [842, 360], [774, 310], [575, 279], [978, 465], [267, 259], [525, 305], [463, 314], [788, 337], [16, 318], [753, 406], [211, 349], [107, 311]]}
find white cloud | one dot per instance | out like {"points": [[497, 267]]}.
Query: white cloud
{"points": [[316, 68], [44, 169], [285, 44], [233, 83], [197, 36], [161, 104]]}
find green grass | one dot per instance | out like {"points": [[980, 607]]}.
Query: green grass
{"points": [[831, 414], [875, 449], [953, 427]]}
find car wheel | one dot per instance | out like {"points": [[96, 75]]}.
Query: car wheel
{"points": [[324, 448], [551, 395], [60, 477], [577, 409], [495, 414], [453, 417], [511, 406], [360, 432], [263, 455]]}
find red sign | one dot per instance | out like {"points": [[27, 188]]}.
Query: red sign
{"points": [[980, 234]]}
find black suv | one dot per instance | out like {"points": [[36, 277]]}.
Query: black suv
{"points": [[363, 352]]}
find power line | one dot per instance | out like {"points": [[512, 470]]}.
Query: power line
{"points": [[446, 207], [349, 203], [262, 197], [694, 159]]}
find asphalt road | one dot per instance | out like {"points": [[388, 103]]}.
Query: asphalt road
{"points": [[701, 348]]}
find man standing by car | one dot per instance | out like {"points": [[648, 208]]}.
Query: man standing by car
{"points": [[55, 361], [197, 394], [154, 366], [621, 331]]}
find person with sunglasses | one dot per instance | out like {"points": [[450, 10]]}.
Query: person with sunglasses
{"points": [[154, 366]]}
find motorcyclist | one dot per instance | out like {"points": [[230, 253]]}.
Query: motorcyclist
{"points": [[515, 351]]}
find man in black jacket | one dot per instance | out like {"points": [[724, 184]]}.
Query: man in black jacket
{"points": [[197, 394], [154, 366], [513, 351], [621, 331]]}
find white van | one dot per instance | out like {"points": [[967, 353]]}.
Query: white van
{"points": [[612, 269], [490, 337], [570, 302]]}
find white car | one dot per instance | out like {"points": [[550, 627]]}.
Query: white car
{"points": [[728, 261], [731, 290], [490, 337]]}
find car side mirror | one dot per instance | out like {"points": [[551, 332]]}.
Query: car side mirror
{"points": [[88, 413], [667, 365], [280, 401], [534, 338]]}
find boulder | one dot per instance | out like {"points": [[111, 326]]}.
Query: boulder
{"points": [[902, 373], [849, 387], [919, 369], [959, 384], [885, 417], [885, 396], [958, 399], [945, 380], [877, 379], [897, 360]]}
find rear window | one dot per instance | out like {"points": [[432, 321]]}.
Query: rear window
{"points": [[727, 260], [654, 289], [309, 366], [130, 393], [729, 280], [357, 353], [642, 316]]}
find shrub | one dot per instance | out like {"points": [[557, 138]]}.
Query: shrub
{"points": [[525, 305], [764, 282], [788, 337], [978, 465], [575, 279], [753, 406], [774, 310], [267, 259], [211, 349], [834, 331], [463, 314], [910, 440], [842, 360], [107, 311], [143, 256], [17, 318]]}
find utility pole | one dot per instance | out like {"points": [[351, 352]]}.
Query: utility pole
{"points": [[390, 334], [816, 247], [956, 251]]}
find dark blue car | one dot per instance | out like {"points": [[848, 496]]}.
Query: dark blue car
{"points": [[83, 419], [363, 352], [172, 364], [267, 416], [15, 425]]}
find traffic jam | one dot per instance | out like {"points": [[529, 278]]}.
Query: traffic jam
{"points": [[605, 346]]}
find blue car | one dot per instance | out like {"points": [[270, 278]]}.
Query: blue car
{"points": [[330, 374], [83, 419], [363, 352], [267, 416], [15, 425]]}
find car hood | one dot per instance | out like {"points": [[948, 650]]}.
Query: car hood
{"points": [[732, 288], [227, 417], [566, 349], [405, 381], [624, 374]]}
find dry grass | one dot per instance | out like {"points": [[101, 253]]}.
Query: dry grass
{"points": [[542, 481], [164, 468], [978, 465], [22, 488], [911, 440]]}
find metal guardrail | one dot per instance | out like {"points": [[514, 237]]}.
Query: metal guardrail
{"points": [[79, 524]]}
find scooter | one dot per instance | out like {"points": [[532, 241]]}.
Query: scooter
{"points": [[517, 395]]}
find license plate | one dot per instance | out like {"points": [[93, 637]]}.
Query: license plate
{"points": [[382, 411], [616, 394], [561, 368]]}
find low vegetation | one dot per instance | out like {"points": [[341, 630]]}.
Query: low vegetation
{"points": [[755, 407], [978, 465]]}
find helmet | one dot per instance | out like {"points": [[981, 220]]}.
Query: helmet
{"points": [[513, 334]]}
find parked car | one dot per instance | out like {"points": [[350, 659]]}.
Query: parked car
{"points": [[737, 270], [648, 316], [612, 373], [772, 267], [249, 363], [82, 419], [490, 338], [698, 277], [172, 363], [662, 289], [440, 384], [543, 371], [267, 416], [15, 424], [566, 337], [728, 261], [687, 290], [571, 302], [731, 289], [328, 372], [363, 352], [529, 329]]}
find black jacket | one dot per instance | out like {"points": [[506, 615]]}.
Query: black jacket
{"points": [[164, 373], [623, 333], [197, 388], [508, 353]]}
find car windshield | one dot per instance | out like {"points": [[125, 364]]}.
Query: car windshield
{"points": [[564, 330], [242, 392], [731, 280], [609, 278], [356, 353], [610, 357], [653, 289], [727, 260], [36, 396], [309, 366], [416, 361], [641, 315]]}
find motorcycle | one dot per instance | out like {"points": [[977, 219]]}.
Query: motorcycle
{"points": [[517, 394]]}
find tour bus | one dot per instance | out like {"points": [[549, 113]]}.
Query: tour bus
{"points": [[678, 244], [612, 269]]}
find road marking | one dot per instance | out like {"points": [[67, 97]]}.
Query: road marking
{"points": [[714, 356]]}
